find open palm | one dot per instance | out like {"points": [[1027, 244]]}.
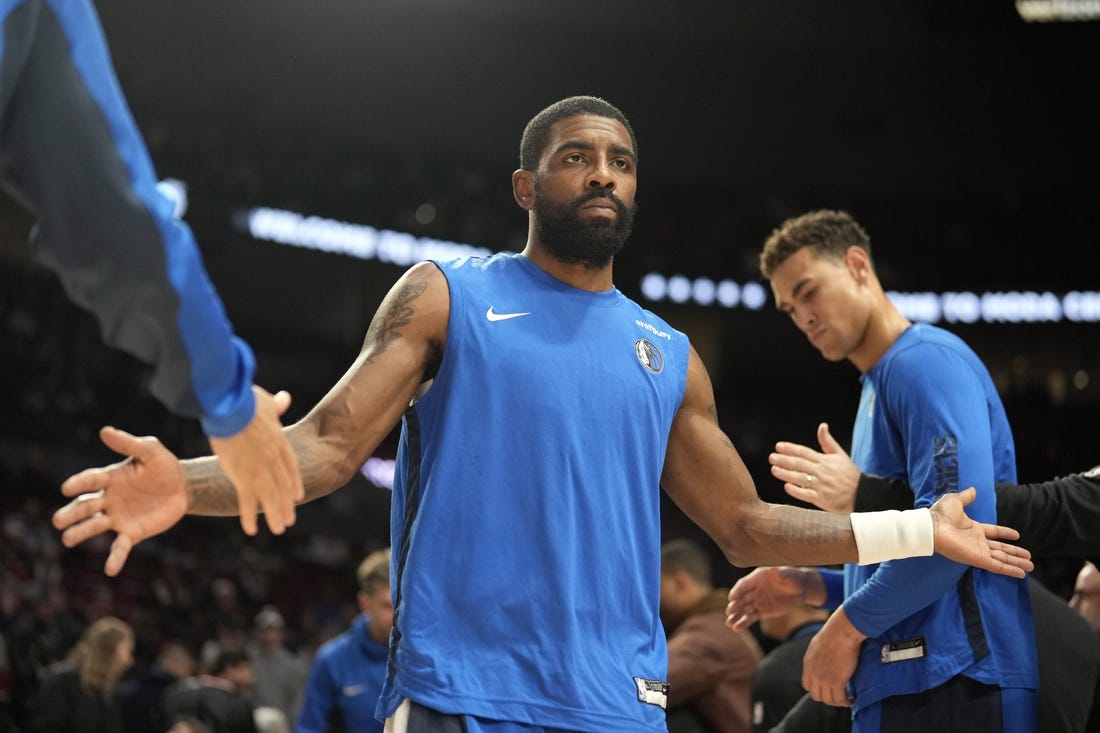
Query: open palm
{"points": [[960, 538], [136, 498]]}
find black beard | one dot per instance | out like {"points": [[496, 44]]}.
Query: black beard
{"points": [[575, 242]]}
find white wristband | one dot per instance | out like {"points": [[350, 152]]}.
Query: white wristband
{"points": [[892, 535]]}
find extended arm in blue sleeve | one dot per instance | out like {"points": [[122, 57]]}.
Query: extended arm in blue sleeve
{"points": [[72, 154], [834, 588]]}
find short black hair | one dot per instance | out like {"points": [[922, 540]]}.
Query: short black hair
{"points": [[537, 133], [230, 656], [687, 556]]}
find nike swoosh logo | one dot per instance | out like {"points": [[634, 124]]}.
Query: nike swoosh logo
{"points": [[494, 316], [352, 690]]}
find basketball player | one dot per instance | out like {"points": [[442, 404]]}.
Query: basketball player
{"points": [[925, 643]]}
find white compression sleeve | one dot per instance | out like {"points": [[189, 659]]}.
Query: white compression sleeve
{"points": [[892, 535]]}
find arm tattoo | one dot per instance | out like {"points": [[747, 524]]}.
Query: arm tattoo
{"points": [[384, 328], [212, 493], [808, 527], [310, 467]]}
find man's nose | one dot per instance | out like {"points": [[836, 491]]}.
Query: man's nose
{"points": [[601, 177]]}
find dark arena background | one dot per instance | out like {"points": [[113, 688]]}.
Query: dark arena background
{"points": [[326, 146]]}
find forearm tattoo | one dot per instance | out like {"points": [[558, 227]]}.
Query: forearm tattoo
{"points": [[809, 527], [311, 469], [212, 493], [211, 490]]}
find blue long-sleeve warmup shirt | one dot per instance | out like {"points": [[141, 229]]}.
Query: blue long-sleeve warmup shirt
{"points": [[71, 153], [345, 681], [929, 412]]}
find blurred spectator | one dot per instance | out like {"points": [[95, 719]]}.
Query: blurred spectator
{"points": [[270, 720], [141, 695], [219, 699], [79, 694], [278, 676], [346, 677], [777, 682], [1069, 665], [188, 725], [709, 667], [7, 722], [1086, 595]]}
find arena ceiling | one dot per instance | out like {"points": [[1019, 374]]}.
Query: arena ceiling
{"points": [[791, 93]]}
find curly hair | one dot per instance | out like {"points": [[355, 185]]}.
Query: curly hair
{"points": [[829, 232], [537, 133]]}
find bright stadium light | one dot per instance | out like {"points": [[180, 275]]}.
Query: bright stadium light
{"points": [[355, 240], [1058, 11], [729, 293], [1015, 306], [703, 291], [402, 248], [654, 287], [754, 296], [679, 289], [379, 471]]}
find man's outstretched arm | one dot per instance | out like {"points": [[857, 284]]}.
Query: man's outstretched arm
{"points": [[1055, 518], [707, 479], [151, 490]]}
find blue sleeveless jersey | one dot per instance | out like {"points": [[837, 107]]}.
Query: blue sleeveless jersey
{"points": [[525, 516]]}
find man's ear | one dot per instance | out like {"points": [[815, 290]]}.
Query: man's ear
{"points": [[859, 265], [523, 188]]}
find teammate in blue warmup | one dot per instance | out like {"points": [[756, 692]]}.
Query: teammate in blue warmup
{"points": [[924, 643], [71, 153], [345, 678]]}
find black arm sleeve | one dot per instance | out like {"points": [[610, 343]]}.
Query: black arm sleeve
{"points": [[876, 494], [1056, 518]]}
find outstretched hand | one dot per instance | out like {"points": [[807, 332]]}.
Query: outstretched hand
{"points": [[136, 498], [771, 591], [261, 466], [826, 479], [960, 538]]}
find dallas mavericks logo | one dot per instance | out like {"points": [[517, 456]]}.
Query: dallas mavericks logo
{"points": [[649, 355]]}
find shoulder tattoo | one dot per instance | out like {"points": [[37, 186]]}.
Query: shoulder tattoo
{"points": [[396, 313]]}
